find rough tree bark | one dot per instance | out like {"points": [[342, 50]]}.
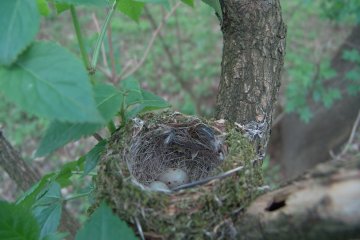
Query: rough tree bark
{"points": [[253, 55], [25, 176], [321, 205]]}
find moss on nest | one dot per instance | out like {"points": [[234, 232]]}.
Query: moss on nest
{"points": [[206, 211]]}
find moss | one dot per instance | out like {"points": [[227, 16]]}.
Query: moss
{"points": [[196, 213]]}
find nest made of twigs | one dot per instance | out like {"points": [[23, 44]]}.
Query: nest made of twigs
{"points": [[197, 211], [179, 142]]}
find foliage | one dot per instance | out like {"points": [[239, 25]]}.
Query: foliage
{"points": [[353, 76], [308, 73], [46, 80], [104, 225], [341, 10], [17, 223]]}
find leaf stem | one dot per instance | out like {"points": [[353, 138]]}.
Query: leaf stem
{"points": [[79, 37], [101, 37], [76, 196]]}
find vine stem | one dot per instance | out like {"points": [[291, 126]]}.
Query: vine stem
{"points": [[91, 66], [101, 37], [79, 37]]}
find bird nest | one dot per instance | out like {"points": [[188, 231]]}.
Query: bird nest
{"points": [[210, 164], [175, 151]]}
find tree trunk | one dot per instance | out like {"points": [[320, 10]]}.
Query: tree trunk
{"points": [[25, 176], [253, 55]]}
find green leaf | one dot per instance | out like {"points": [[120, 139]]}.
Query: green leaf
{"points": [[215, 4], [28, 198], [132, 90], [49, 81], [109, 101], [19, 24], [85, 2], [189, 2], [149, 102], [62, 177], [43, 7], [47, 209], [92, 158], [131, 8], [17, 223], [104, 225], [61, 7]]}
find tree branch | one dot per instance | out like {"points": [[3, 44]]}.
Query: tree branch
{"points": [[25, 176]]}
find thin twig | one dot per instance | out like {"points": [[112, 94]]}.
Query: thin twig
{"points": [[103, 52], [350, 140], [174, 67], [206, 180], [151, 43], [97, 137], [138, 225]]}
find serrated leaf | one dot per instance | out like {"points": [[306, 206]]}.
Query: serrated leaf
{"points": [[104, 225], [85, 2], [49, 81], [16, 33], [109, 101], [92, 158], [131, 8], [47, 209], [17, 223]]}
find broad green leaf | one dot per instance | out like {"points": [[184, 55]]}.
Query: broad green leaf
{"points": [[49, 81], [92, 158], [215, 4], [47, 209], [104, 225], [43, 7], [19, 24], [131, 8], [109, 101], [189, 2], [17, 223], [85, 2], [149, 102]]}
